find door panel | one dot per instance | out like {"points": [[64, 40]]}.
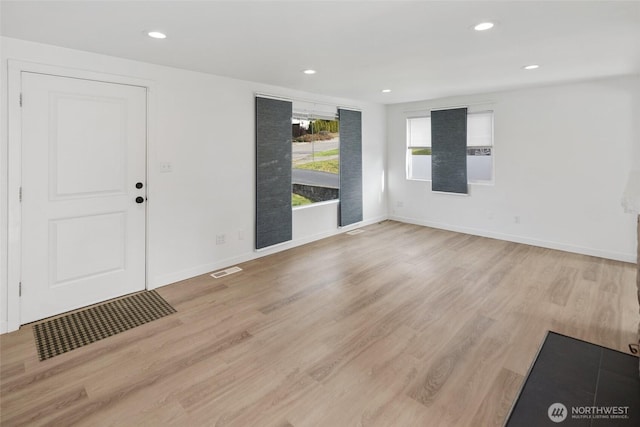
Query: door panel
{"points": [[101, 144], [83, 234], [85, 247]]}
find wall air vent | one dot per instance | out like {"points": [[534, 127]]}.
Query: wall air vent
{"points": [[226, 272]]}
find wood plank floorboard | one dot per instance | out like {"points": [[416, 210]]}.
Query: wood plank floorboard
{"points": [[402, 325]]}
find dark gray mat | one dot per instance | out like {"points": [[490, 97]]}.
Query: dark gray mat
{"points": [[66, 333], [576, 383]]}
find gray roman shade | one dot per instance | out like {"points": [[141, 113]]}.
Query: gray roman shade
{"points": [[350, 167], [449, 150], [273, 172]]}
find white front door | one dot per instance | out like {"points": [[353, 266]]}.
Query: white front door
{"points": [[83, 159]]}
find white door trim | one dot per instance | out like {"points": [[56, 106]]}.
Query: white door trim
{"points": [[14, 166]]}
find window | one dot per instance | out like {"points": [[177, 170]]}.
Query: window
{"points": [[303, 158], [479, 147], [315, 159], [419, 148]]}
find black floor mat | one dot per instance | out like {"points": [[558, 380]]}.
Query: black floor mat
{"points": [[65, 333], [576, 383]]}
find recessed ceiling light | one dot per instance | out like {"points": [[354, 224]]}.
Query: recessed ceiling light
{"points": [[309, 71], [531, 67], [157, 35], [483, 26], [386, 90]]}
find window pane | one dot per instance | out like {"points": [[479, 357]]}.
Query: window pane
{"points": [[480, 168], [419, 132], [419, 155], [480, 129], [315, 160], [419, 164]]}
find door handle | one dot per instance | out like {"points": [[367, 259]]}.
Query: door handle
{"points": [[139, 199]]}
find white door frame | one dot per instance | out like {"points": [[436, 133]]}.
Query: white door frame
{"points": [[14, 167]]}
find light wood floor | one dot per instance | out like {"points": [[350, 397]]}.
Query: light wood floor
{"points": [[398, 326]]}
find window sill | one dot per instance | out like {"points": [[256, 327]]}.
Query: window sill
{"points": [[313, 205], [483, 183]]}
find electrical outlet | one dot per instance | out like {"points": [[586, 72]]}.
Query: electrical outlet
{"points": [[165, 167], [399, 204], [516, 219], [219, 239], [241, 235]]}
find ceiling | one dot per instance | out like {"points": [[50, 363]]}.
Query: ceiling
{"points": [[418, 49]]}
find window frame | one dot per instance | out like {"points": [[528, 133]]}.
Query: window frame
{"points": [[408, 148], [306, 115]]}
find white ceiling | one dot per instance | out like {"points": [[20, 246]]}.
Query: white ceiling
{"points": [[419, 49]]}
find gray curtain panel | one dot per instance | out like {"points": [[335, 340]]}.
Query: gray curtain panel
{"points": [[273, 172], [350, 167], [449, 150]]}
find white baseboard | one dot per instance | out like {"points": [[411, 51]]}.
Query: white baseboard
{"points": [[168, 279], [617, 256], [3, 327]]}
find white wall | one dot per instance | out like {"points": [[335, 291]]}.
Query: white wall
{"points": [[204, 126], [562, 157]]}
